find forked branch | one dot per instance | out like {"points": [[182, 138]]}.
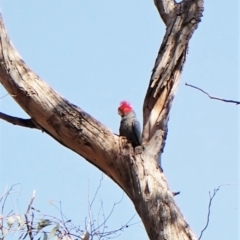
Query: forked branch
{"points": [[209, 209], [165, 9], [211, 197], [138, 174]]}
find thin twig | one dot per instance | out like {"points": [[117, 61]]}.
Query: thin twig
{"points": [[60, 211], [32, 199], [210, 202], [100, 210], [7, 95], [29, 228], [29, 231], [4, 199], [209, 210], [109, 215], [4, 96], [96, 192], [90, 215], [211, 97], [62, 216], [120, 229], [32, 220]]}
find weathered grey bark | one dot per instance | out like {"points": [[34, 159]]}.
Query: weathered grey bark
{"points": [[137, 172]]}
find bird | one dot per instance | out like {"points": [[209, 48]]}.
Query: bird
{"points": [[129, 126]]}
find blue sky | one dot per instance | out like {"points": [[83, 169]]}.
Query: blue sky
{"points": [[97, 53]]}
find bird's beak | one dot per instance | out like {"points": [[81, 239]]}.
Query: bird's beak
{"points": [[119, 113]]}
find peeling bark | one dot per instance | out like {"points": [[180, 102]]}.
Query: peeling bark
{"points": [[136, 171], [182, 20]]}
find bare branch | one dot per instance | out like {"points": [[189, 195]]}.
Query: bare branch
{"points": [[5, 96], [211, 97], [29, 231], [165, 8], [96, 192], [210, 203], [13, 223], [62, 120], [209, 210], [31, 202], [167, 70], [138, 174], [29, 226], [18, 121], [109, 215]]}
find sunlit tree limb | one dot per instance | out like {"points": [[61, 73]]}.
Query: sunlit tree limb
{"points": [[138, 173], [181, 24]]}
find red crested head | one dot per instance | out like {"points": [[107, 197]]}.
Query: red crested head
{"points": [[124, 108]]}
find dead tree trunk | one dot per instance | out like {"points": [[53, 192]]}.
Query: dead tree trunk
{"points": [[138, 173]]}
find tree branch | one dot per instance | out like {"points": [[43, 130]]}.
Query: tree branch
{"points": [[29, 226], [211, 97], [209, 210], [65, 122], [210, 203], [167, 69], [18, 121], [165, 9], [137, 173]]}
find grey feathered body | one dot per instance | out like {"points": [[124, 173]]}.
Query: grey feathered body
{"points": [[130, 128]]}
